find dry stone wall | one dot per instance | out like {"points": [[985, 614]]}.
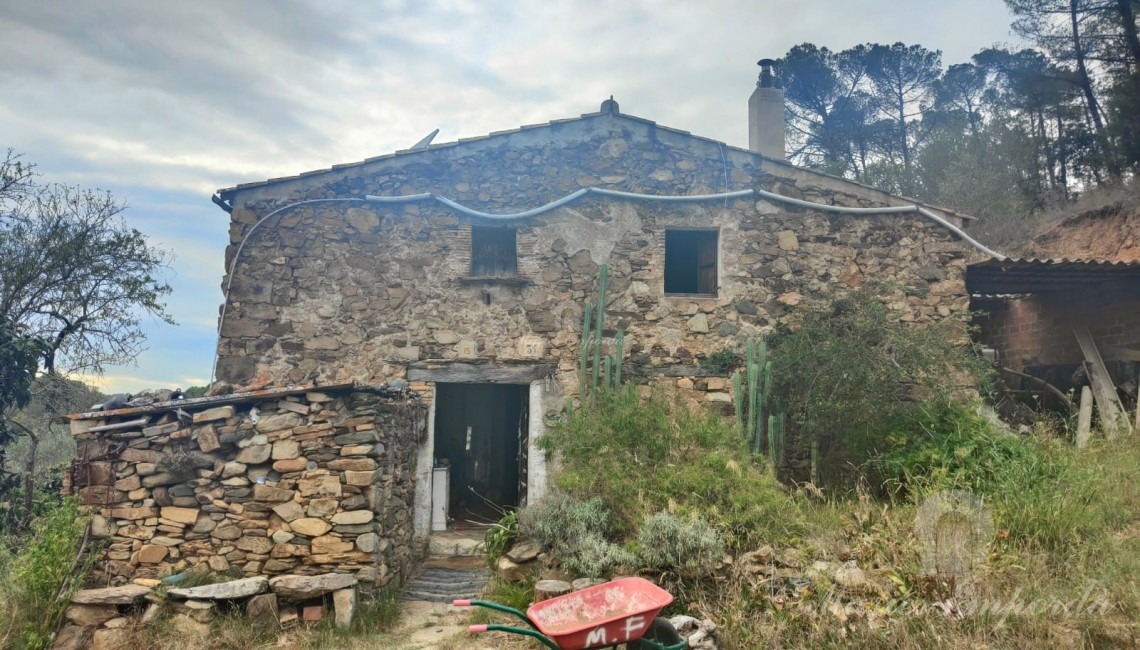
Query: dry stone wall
{"points": [[302, 483], [343, 291]]}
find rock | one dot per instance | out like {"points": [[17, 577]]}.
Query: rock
{"points": [[701, 634], [91, 615], [229, 532], [196, 610], [109, 639], [72, 637], [510, 571], [310, 527], [187, 516], [259, 545], [524, 552], [125, 595], [254, 454], [216, 413], [849, 576], [368, 543], [295, 587], [344, 606], [218, 564], [360, 479], [151, 554], [232, 469], [286, 449], [745, 307], [322, 507], [272, 494], [281, 537], [291, 465], [186, 626], [354, 517], [786, 240], [699, 324], [224, 590], [329, 544], [289, 510], [261, 610]]}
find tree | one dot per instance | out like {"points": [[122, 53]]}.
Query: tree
{"points": [[902, 78], [75, 281]]}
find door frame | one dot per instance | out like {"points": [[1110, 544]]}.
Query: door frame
{"points": [[537, 477]]}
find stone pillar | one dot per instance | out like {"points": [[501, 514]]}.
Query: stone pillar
{"points": [[766, 122]]}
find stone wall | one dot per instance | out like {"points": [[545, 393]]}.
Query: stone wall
{"points": [[300, 482], [361, 291]]}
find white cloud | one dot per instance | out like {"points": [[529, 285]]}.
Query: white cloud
{"points": [[164, 101]]}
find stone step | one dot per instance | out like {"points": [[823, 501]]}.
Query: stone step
{"points": [[442, 585], [454, 545]]}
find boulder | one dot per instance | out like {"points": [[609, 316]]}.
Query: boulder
{"points": [[109, 639], [224, 590], [303, 587], [510, 571], [72, 637]]}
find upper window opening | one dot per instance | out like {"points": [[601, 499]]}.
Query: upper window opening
{"points": [[493, 252], [690, 261]]}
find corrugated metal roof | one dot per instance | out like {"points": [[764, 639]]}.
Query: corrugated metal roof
{"points": [[1033, 275]]}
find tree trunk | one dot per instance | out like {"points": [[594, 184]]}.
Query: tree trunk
{"points": [[30, 479], [1082, 70], [1128, 26]]}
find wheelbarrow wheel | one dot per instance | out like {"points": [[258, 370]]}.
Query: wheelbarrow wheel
{"points": [[660, 631]]}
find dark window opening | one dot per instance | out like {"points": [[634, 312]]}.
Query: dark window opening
{"points": [[493, 252], [690, 261]]}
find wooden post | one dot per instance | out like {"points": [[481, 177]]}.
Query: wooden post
{"points": [[1084, 418], [547, 589]]}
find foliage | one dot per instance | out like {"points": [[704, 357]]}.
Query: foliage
{"points": [[1041, 493], [667, 543], [560, 520], [196, 391], [37, 582], [852, 365], [722, 361], [500, 536], [636, 456]]}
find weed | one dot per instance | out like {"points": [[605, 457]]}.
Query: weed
{"points": [[500, 536]]}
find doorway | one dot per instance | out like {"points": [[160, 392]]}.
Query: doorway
{"points": [[481, 435]]}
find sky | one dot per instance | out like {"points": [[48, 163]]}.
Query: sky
{"points": [[163, 102]]}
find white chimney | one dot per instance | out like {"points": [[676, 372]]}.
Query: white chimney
{"points": [[766, 114]]}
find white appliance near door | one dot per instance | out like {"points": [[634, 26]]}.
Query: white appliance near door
{"points": [[440, 489]]}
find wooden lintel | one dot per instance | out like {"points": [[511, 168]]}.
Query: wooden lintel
{"points": [[471, 373], [120, 425]]}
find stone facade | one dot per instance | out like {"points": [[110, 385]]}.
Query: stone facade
{"points": [[287, 481], [365, 291]]}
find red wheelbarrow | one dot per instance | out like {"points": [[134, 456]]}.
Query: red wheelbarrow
{"points": [[605, 615]]}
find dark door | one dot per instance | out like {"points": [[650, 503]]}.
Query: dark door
{"points": [[477, 432]]}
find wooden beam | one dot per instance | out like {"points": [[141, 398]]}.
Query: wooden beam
{"points": [[1084, 418], [120, 425], [1112, 418], [471, 373]]}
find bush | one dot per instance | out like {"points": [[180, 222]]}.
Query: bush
{"points": [[593, 556], [37, 583], [666, 543], [500, 536], [850, 367], [637, 457], [1042, 493]]}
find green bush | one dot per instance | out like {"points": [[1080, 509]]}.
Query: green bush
{"points": [[851, 366], [500, 536], [639, 456], [37, 582], [593, 556], [666, 543], [1042, 493]]}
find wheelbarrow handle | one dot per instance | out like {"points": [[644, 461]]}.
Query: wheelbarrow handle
{"points": [[495, 606], [476, 629]]}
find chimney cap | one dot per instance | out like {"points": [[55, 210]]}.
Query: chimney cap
{"points": [[610, 106], [767, 77]]}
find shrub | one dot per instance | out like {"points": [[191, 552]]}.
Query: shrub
{"points": [[594, 556], [1042, 493], [666, 543], [848, 368], [500, 536], [637, 457], [41, 577]]}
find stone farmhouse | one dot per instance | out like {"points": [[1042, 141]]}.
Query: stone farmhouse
{"points": [[401, 331]]}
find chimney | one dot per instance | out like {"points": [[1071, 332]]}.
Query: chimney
{"points": [[766, 114]]}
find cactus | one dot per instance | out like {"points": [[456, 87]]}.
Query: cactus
{"points": [[600, 314], [584, 351], [607, 365], [776, 440], [738, 399], [753, 379]]}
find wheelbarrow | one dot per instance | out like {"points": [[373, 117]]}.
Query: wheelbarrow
{"points": [[602, 616]]}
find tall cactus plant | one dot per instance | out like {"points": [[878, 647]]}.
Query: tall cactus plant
{"points": [[752, 392], [605, 371]]}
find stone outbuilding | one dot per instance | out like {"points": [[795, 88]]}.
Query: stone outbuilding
{"points": [[463, 268]]}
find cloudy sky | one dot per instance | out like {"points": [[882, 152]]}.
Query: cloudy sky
{"points": [[163, 102]]}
